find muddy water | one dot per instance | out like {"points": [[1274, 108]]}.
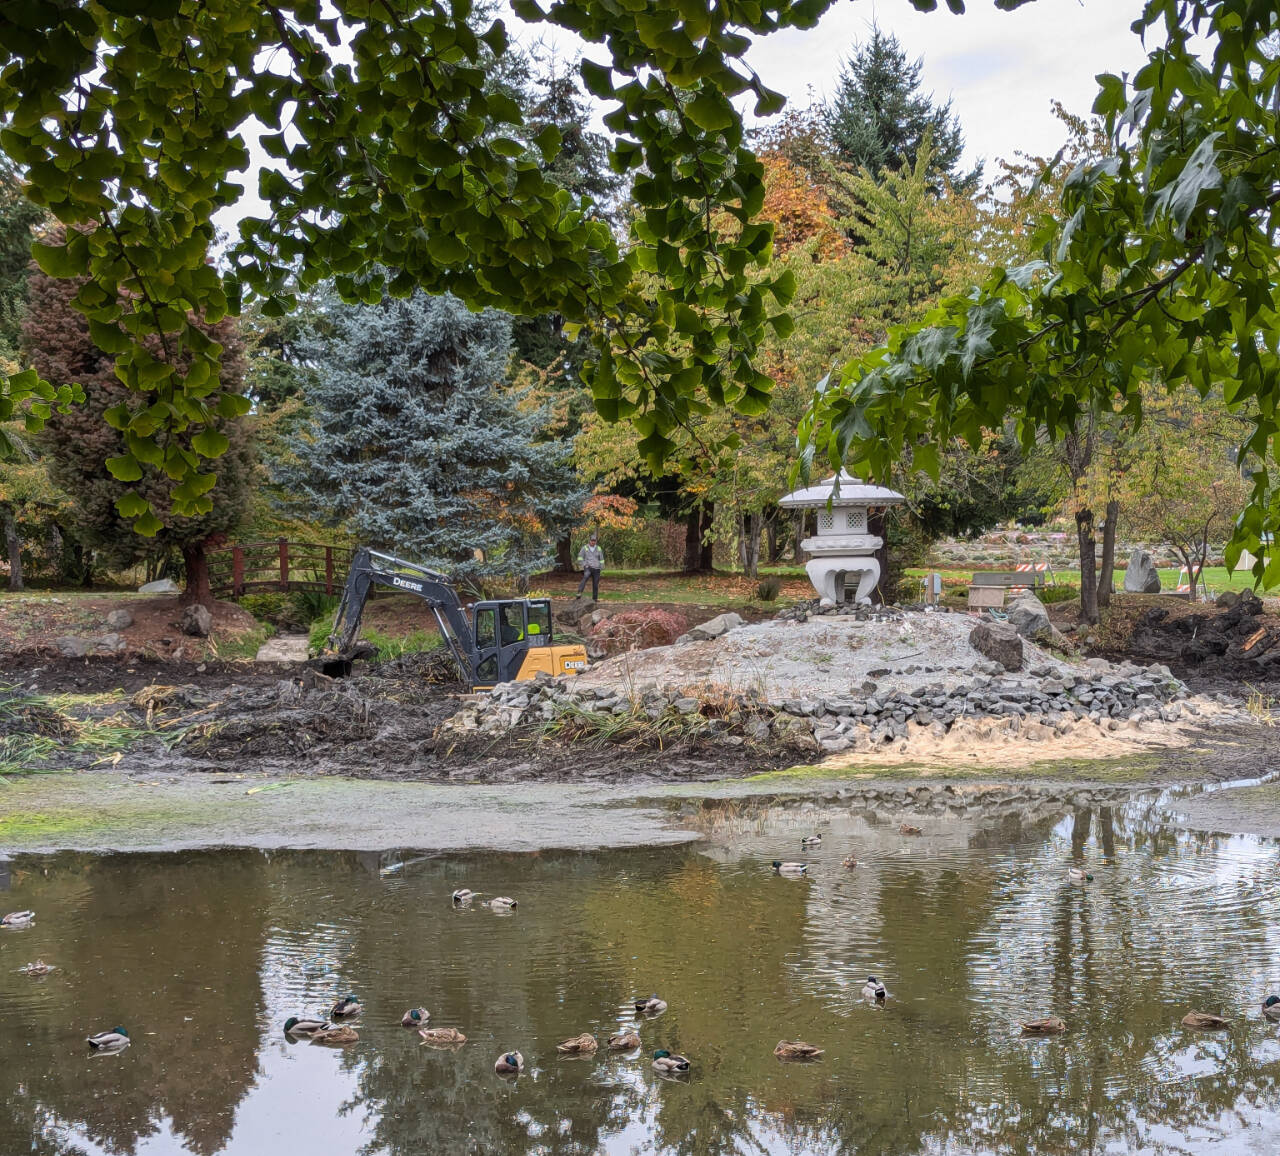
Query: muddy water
{"points": [[974, 924]]}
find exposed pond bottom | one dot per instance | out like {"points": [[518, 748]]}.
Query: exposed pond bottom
{"points": [[973, 926]]}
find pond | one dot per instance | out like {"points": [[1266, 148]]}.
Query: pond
{"points": [[973, 926]]}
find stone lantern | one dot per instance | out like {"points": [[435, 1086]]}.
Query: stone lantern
{"points": [[842, 556]]}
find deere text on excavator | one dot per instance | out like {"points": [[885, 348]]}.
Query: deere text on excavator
{"points": [[500, 640]]}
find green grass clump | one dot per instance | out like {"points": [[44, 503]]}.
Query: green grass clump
{"points": [[245, 646], [416, 642], [768, 588], [39, 735]]}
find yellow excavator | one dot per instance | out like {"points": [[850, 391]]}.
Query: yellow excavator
{"points": [[501, 640]]}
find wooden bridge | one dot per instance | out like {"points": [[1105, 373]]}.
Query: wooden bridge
{"points": [[280, 565]]}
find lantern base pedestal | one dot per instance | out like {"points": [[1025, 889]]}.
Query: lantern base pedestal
{"points": [[831, 577]]}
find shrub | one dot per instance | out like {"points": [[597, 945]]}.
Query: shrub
{"points": [[1051, 594], [768, 588], [268, 606], [308, 605]]}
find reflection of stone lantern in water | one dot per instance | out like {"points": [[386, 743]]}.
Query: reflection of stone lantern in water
{"points": [[842, 554]]}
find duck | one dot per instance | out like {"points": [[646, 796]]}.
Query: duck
{"points": [[305, 1026], [113, 1040], [664, 1061], [18, 919], [583, 1045], [849, 862], [795, 869], [346, 1007], [509, 1063], [910, 829], [37, 968], [1079, 875], [415, 1017], [811, 841], [1271, 1008], [796, 1050], [651, 1007], [623, 1042], [1205, 1021], [873, 989], [336, 1034], [441, 1036], [1049, 1026], [502, 903], [464, 895]]}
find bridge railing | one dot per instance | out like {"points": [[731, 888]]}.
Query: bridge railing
{"points": [[279, 565]]}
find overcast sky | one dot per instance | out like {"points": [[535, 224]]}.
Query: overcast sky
{"points": [[1001, 69]]}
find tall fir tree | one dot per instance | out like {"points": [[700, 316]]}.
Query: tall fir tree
{"points": [[415, 446], [879, 118], [20, 220], [77, 444]]}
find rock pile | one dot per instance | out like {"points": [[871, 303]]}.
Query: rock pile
{"points": [[803, 611], [1043, 703]]}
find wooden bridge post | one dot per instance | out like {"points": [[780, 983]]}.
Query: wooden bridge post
{"points": [[284, 564], [237, 571], [328, 570]]}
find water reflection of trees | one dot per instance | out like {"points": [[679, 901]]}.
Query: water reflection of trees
{"points": [[975, 943], [134, 937]]}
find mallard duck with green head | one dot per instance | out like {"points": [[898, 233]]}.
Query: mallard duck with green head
{"points": [[650, 1007], [669, 1063], [502, 903], [415, 1017], [111, 1041], [811, 841], [509, 1064], [18, 919], [1271, 1008], [345, 1008], [1079, 875], [304, 1026], [463, 896], [794, 870]]}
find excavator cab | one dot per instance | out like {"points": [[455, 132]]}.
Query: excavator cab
{"points": [[514, 641]]}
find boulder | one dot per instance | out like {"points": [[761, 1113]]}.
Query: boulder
{"points": [[163, 586], [120, 619], [197, 621], [999, 642], [1140, 576], [110, 643], [1027, 615], [1227, 599], [70, 647], [720, 624]]}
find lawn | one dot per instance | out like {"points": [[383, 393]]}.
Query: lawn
{"points": [[1216, 577]]}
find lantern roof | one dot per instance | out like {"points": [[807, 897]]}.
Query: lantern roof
{"points": [[852, 493]]}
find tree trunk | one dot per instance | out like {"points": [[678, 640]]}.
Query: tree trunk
{"points": [[564, 554], [771, 537], [692, 540], [797, 554], [1088, 567], [196, 563], [752, 539], [13, 544], [1107, 576], [707, 562], [875, 527], [740, 524]]}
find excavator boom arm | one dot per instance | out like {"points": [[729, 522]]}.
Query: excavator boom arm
{"points": [[370, 568]]}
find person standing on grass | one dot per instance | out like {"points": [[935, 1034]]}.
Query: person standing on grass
{"points": [[591, 559]]}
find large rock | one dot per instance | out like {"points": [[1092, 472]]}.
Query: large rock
{"points": [[1140, 576], [720, 624], [70, 647], [109, 643], [163, 586], [120, 619], [197, 621], [999, 642], [1028, 616]]}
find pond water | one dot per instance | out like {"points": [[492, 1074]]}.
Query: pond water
{"points": [[972, 926]]}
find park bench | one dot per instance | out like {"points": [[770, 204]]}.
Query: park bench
{"points": [[987, 587]]}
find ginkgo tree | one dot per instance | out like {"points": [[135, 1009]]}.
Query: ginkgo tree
{"points": [[1158, 266]]}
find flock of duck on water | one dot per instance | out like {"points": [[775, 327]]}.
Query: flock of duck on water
{"points": [[327, 1031]]}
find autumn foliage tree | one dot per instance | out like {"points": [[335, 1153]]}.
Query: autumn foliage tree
{"points": [[78, 444]]}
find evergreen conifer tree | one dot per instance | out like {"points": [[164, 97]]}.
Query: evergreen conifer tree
{"points": [[879, 119], [415, 446]]}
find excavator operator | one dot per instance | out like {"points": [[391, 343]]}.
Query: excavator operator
{"points": [[512, 625]]}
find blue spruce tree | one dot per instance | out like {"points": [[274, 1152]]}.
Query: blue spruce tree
{"points": [[413, 444]]}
